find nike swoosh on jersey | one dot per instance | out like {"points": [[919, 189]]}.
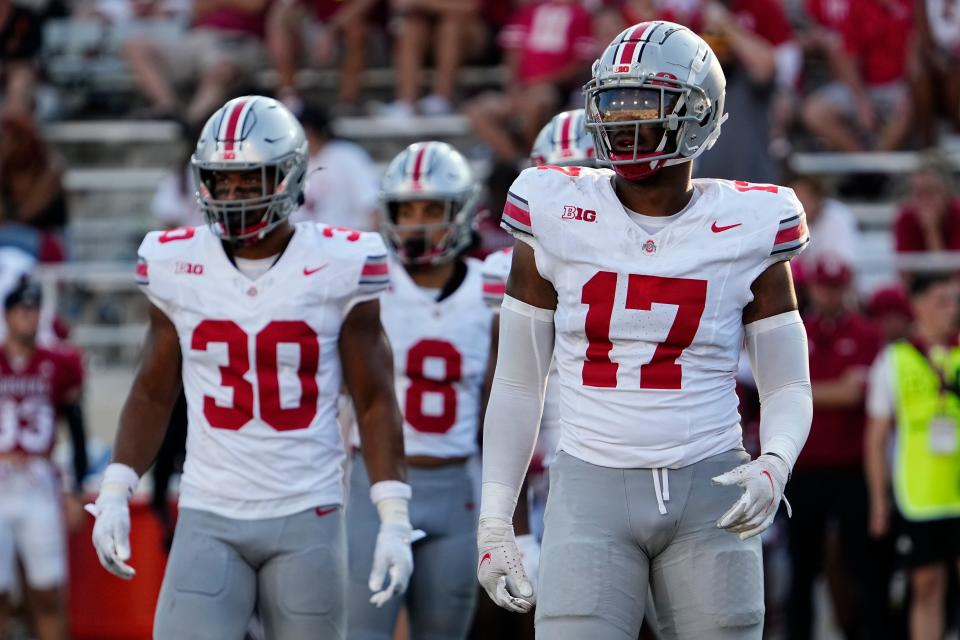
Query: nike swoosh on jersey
{"points": [[320, 511], [310, 272], [717, 229]]}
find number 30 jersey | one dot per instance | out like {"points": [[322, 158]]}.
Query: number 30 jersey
{"points": [[649, 323], [261, 369], [440, 351]]}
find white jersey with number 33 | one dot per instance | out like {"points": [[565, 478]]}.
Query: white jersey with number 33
{"points": [[261, 369], [649, 324], [440, 351]]}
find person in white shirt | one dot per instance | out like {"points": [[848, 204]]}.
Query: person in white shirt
{"points": [[833, 226], [342, 181]]}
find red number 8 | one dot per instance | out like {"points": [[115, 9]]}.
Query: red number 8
{"points": [[420, 385]]}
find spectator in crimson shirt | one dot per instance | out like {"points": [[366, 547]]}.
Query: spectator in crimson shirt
{"points": [[869, 90], [889, 307], [548, 45], [751, 39], [929, 219], [827, 487], [225, 41]]}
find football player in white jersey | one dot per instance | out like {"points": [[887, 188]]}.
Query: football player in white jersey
{"points": [[263, 319], [440, 331], [643, 284]]}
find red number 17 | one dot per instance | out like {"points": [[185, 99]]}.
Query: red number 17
{"points": [[663, 371]]}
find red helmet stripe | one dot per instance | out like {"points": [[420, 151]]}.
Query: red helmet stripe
{"points": [[638, 30], [565, 132], [418, 167], [232, 122], [626, 54]]}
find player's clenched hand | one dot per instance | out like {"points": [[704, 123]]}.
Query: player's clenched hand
{"points": [[392, 555], [762, 481], [500, 570], [111, 531]]}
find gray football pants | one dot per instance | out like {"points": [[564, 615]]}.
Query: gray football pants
{"points": [[291, 569], [605, 541], [442, 591]]}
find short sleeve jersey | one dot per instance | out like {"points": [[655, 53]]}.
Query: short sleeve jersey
{"points": [[261, 368], [31, 393], [440, 351], [649, 326]]}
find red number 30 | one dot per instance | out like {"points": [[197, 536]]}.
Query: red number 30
{"points": [[267, 341]]}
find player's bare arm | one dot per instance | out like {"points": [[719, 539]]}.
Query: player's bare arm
{"points": [[773, 294], [525, 282], [146, 412], [368, 374], [367, 364], [143, 423]]}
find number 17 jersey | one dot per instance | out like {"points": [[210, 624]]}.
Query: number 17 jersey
{"points": [[649, 321]]}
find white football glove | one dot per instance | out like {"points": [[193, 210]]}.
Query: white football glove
{"points": [[111, 531], [530, 556], [392, 555], [763, 481], [500, 569]]}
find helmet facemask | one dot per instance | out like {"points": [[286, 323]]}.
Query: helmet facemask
{"points": [[415, 244], [641, 126], [245, 220]]}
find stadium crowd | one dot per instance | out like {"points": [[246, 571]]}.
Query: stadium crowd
{"points": [[851, 76]]}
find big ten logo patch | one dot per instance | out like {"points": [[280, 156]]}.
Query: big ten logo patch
{"points": [[576, 213], [189, 268]]}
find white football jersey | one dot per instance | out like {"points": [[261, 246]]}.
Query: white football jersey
{"points": [[440, 352], [649, 326], [496, 270], [261, 370]]}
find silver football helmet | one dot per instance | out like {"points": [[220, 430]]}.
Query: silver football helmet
{"points": [[248, 134], [564, 141], [657, 74], [432, 171]]}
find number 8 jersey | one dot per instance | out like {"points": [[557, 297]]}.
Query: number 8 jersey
{"points": [[261, 368], [649, 321], [440, 351]]}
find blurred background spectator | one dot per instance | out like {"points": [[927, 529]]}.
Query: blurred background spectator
{"points": [[33, 204], [224, 43], [422, 26], [914, 403], [890, 309], [933, 64], [548, 46], [929, 218], [21, 35], [175, 202], [842, 347], [313, 31], [867, 106], [833, 226], [343, 185]]}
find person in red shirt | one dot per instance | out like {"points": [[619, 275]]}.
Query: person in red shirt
{"points": [[869, 89], [549, 45], [224, 42], [889, 307], [929, 218], [35, 385], [828, 485], [320, 27], [934, 58]]}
